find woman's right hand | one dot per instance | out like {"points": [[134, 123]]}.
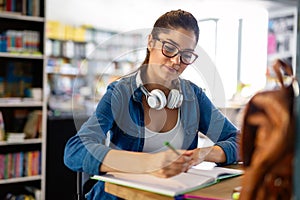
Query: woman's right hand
{"points": [[167, 163]]}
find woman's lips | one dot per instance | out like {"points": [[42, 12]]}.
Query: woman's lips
{"points": [[171, 69]]}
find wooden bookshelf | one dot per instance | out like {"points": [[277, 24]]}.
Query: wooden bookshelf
{"points": [[20, 179], [25, 142], [21, 55], [22, 70]]}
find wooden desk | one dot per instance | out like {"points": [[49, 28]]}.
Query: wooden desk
{"points": [[222, 190]]}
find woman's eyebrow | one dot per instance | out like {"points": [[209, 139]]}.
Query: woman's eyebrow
{"points": [[175, 43], [172, 41]]}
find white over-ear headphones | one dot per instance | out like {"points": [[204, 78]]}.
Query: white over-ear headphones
{"points": [[156, 99]]}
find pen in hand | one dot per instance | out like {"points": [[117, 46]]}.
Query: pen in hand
{"points": [[172, 148]]}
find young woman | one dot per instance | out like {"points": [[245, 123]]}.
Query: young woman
{"points": [[149, 107]]}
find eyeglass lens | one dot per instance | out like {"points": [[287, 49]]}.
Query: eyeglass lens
{"points": [[171, 50]]}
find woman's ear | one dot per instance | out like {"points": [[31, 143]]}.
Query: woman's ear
{"points": [[150, 42]]}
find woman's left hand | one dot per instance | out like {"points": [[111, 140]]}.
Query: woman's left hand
{"points": [[198, 155]]}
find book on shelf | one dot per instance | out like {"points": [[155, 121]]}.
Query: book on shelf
{"points": [[15, 137], [28, 192], [33, 125], [2, 130], [24, 7], [195, 178]]}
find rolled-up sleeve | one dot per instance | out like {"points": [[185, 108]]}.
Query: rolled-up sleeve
{"points": [[86, 150]]}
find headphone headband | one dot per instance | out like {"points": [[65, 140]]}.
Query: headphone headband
{"points": [[156, 98]]}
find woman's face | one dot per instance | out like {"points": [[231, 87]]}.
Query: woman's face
{"points": [[163, 69]]}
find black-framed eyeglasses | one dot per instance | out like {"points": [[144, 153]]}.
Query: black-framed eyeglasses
{"points": [[170, 50]]}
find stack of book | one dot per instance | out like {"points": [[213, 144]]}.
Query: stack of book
{"points": [[15, 137]]}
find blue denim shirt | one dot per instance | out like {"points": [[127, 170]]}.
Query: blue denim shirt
{"points": [[120, 112]]}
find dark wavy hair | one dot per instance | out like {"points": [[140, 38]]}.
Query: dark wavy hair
{"points": [[173, 20]]}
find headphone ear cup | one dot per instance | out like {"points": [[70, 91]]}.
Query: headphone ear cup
{"points": [[174, 99], [180, 99], [157, 99]]}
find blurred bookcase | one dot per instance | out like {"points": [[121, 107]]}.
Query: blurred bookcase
{"points": [[22, 102], [82, 60], [282, 36]]}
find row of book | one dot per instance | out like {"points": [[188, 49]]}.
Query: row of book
{"points": [[17, 78], [26, 192], [20, 164], [21, 7], [25, 41], [67, 49], [60, 31], [92, 51], [57, 30]]}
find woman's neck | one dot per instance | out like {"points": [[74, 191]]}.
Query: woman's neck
{"points": [[152, 82]]}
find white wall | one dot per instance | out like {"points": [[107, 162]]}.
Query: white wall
{"points": [[132, 14], [128, 15]]}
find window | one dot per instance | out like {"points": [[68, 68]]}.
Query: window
{"points": [[236, 49]]}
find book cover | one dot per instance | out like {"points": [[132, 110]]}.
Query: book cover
{"points": [[17, 164], [194, 179], [21, 166], [8, 166], [35, 161], [2, 166], [33, 125], [25, 163], [24, 7], [29, 163], [2, 130]]}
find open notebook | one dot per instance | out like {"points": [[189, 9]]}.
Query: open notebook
{"points": [[196, 178]]}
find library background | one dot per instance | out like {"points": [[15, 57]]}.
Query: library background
{"points": [[54, 70]]}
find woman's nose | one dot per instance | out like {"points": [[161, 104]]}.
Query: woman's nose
{"points": [[176, 59]]}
